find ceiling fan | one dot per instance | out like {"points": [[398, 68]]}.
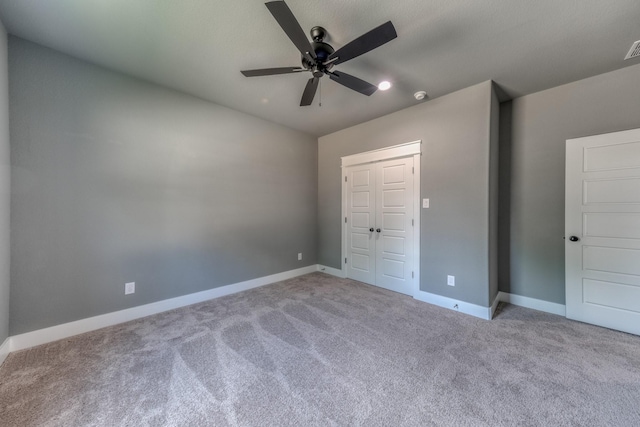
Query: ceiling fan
{"points": [[319, 57]]}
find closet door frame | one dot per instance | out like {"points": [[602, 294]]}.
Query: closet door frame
{"points": [[410, 149]]}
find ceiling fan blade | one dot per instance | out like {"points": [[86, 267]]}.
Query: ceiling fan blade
{"points": [[366, 42], [271, 71], [309, 91], [353, 83], [291, 27]]}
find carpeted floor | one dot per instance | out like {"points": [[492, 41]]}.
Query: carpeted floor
{"points": [[321, 351]]}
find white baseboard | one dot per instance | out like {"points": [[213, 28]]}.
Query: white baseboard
{"points": [[535, 304], [452, 304], [4, 349], [330, 270], [54, 333], [489, 312]]}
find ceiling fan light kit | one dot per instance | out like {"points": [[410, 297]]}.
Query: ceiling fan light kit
{"points": [[319, 57]]}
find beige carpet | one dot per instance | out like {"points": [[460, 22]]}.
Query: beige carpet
{"points": [[321, 351]]}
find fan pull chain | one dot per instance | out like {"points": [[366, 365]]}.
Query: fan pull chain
{"points": [[320, 102]]}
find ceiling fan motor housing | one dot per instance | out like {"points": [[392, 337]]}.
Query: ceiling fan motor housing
{"points": [[317, 66], [322, 51]]}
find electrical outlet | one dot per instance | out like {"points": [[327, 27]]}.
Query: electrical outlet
{"points": [[130, 288], [299, 256], [451, 280]]}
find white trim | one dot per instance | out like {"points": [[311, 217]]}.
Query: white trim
{"points": [[343, 227], [5, 348], [612, 137], [54, 333], [417, 206], [535, 304], [401, 150], [409, 149], [450, 303], [332, 271], [488, 312]]}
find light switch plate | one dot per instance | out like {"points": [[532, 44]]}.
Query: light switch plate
{"points": [[425, 203]]}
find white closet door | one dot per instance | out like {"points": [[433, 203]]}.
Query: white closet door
{"points": [[380, 224], [361, 256], [394, 225]]}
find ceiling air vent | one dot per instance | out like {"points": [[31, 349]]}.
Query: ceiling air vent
{"points": [[634, 51]]}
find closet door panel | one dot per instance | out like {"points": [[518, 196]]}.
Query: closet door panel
{"points": [[394, 215]]}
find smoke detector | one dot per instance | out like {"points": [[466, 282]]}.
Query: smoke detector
{"points": [[634, 51], [420, 95]]}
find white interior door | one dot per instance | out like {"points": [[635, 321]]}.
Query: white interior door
{"points": [[379, 226], [602, 226], [394, 217], [360, 223]]}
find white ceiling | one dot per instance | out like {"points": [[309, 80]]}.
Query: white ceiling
{"points": [[200, 46]]}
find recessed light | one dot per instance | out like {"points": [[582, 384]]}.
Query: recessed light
{"points": [[384, 85]]}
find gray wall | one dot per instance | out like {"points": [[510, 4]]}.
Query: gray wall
{"points": [[455, 131], [504, 199], [494, 147], [117, 180], [4, 188], [541, 123]]}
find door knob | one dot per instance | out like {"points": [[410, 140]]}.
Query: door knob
{"points": [[574, 238], [378, 230], [371, 229]]}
